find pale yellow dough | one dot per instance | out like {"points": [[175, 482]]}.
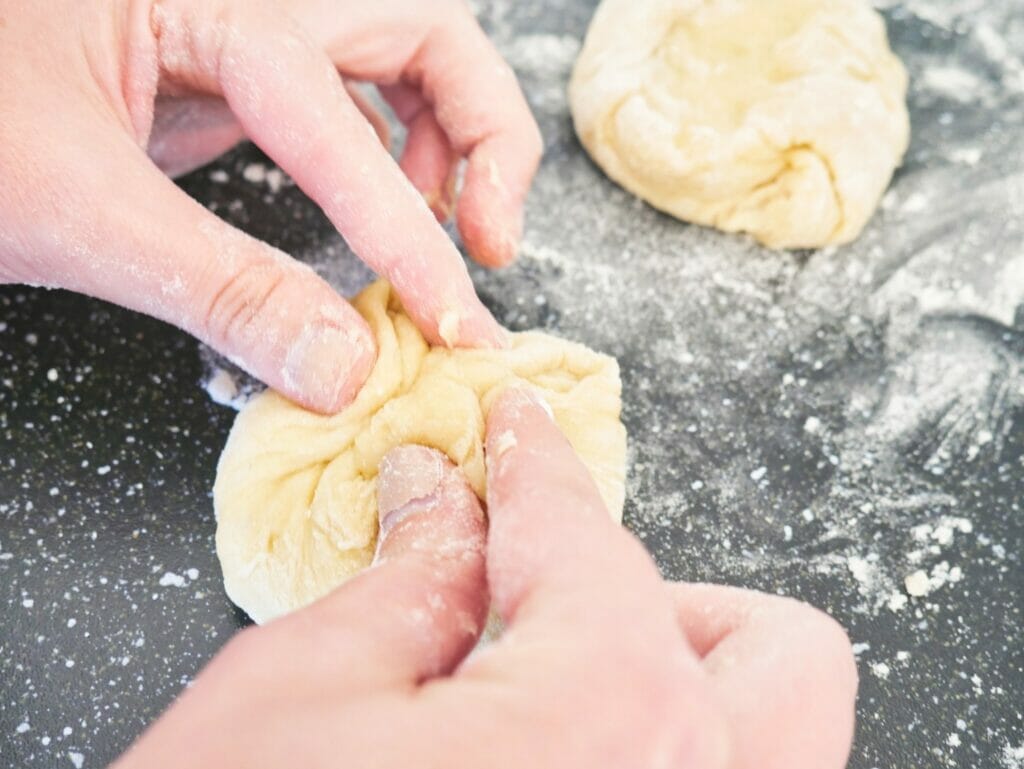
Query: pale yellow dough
{"points": [[296, 497], [781, 118]]}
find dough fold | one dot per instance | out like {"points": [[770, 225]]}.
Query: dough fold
{"points": [[781, 118], [295, 495]]}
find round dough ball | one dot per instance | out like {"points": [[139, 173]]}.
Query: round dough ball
{"points": [[296, 492], [781, 118]]}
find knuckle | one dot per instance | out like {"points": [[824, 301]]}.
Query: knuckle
{"points": [[241, 297]]}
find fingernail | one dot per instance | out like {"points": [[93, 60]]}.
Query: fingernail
{"points": [[326, 365], [409, 481]]}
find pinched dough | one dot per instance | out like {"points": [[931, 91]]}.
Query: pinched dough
{"points": [[296, 497], [781, 118]]}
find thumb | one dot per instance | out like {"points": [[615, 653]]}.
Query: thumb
{"points": [[418, 611], [173, 259]]}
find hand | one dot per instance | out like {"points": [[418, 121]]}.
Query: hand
{"points": [[90, 88], [602, 664]]}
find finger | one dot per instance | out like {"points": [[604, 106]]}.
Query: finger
{"points": [[590, 621], [479, 105], [173, 259], [372, 115], [427, 158], [291, 102], [440, 50], [556, 561], [782, 670], [420, 609], [189, 132]]}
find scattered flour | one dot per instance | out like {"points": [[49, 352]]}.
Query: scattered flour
{"points": [[968, 156], [896, 601], [1013, 757], [255, 173], [917, 584], [953, 83], [275, 180], [171, 579], [881, 670], [221, 387]]}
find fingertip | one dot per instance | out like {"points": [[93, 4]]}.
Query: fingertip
{"points": [[329, 360], [550, 533], [409, 479], [421, 607], [527, 454], [514, 409], [459, 321], [274, 317], [498, 177], [491, 226], [426, 505], [479, 330], [522, 412]]}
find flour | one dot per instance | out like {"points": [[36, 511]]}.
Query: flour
{"points": [[255, 173], [953, 83], [1013, 757], [998, 51], [170, 579], [968, 156]]}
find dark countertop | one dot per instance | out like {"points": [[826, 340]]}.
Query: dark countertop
{"points": [[820, 424]]}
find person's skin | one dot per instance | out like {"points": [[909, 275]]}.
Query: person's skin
{"points": [[602, 665], [99, 99]]}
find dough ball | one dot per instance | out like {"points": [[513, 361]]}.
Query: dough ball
{"points": [[296, 492], [781, 118]]}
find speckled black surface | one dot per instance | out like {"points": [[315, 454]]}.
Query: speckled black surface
{"points": [[817, 424]]}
